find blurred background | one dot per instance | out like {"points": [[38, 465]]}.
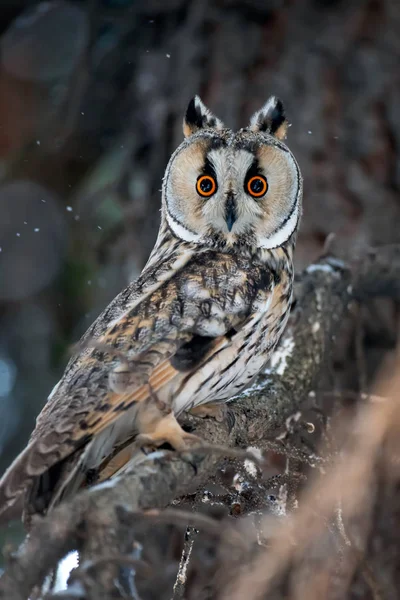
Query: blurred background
{"points": [[92, 95]]}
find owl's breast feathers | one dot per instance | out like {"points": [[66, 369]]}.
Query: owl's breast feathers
{"points": [[180, 313]]}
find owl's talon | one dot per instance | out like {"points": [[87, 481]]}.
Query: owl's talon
{"points": [[168, 430]]}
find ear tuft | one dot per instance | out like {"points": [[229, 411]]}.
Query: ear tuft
{"points": [[198, 116], [271, 118]]}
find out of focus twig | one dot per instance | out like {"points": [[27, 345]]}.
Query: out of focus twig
{"points": [[351, 477]]}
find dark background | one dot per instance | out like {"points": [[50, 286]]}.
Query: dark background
{"points": [[92, 96]]}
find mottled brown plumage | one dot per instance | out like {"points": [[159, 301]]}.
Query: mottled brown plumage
{"points": [[195, 328]]}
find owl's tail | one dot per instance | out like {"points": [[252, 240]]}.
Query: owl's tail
{"points": [[14, 484]]}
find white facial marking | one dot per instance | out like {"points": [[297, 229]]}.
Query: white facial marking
{"points": [[180, 231], [283, 234]]}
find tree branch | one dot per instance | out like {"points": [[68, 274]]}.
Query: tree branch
{"points": [[92, 522]]}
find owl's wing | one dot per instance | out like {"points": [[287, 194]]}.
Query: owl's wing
{"points": [[181, 316]]}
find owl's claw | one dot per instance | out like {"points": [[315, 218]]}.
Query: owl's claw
{"points": [[168, 430], [156, 428]]}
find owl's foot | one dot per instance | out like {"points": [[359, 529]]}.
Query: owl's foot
{"points": [[217, 411], [167, 430], [156, 429]]}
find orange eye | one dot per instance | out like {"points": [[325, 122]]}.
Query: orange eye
{"points": [[257, 186], [206, 185]]}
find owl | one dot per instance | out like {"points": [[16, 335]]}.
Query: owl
{"points": [[194, 329]]}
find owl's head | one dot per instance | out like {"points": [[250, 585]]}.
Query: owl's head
{"points": [[229, 189]]}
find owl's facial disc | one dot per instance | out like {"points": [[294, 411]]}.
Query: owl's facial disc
{"points": [[232, 189]]}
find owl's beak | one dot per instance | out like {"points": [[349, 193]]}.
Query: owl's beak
{"points": [[230, 212]]}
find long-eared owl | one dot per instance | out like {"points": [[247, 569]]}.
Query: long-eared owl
{"points": [[198, 324]]}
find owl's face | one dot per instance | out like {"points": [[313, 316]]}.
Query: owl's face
{"points": [[233, 189]]}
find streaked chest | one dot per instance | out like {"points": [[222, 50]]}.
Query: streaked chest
{"points": [[236, 365]]}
